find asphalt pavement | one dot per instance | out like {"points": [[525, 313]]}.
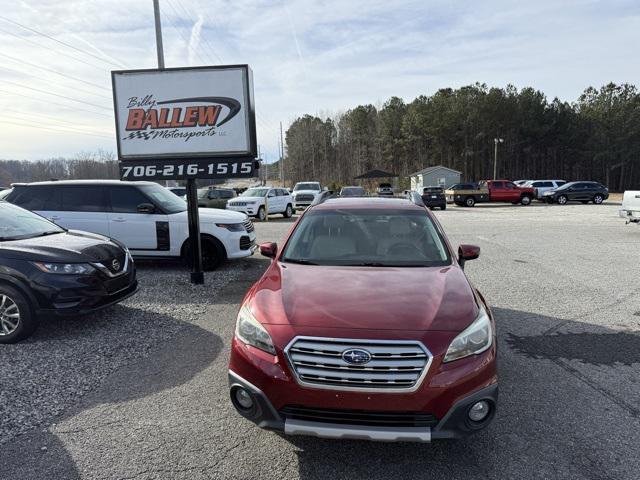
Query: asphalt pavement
{"points": [[563, 283]]}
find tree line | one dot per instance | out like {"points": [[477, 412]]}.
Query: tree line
{"points": [[87, 165], [596, 137]]}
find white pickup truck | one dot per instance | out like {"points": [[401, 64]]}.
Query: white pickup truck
{"points": [[631, 206]]}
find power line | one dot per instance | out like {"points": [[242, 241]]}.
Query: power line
{"points": [[18, 60], [53, 120], [25, 39], [56, 103], [38, 127], [9, 69], [68, 45], [54, 94]]}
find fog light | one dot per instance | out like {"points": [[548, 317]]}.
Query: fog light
{"points": [[479, 411], [243, 398]]}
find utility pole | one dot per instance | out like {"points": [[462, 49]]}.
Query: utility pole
{"points": [[197, 275], [495, 155], [282, 158]]}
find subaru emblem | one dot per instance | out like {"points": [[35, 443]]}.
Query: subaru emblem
{"points": [[356, 356]]}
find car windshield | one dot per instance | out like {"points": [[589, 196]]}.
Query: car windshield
{"points": [[565, 186], [306, 186], [367, 237], [385, 185], [203, 192], [255, 192], [162, 197], [432, 190], [352, 191], [17, 223]]}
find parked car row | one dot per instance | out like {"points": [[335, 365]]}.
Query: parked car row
{"points": [[550, 191]]}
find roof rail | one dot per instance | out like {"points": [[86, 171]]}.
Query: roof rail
{"points": [[415, 198]]}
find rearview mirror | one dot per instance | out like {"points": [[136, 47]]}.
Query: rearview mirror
{"points": [[269, 250], [146, 208], [467, 252]]}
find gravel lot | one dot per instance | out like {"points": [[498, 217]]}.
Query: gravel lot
{"points": [[140, 391]]}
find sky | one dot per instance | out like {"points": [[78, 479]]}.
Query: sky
{"points": [[318, 57]]}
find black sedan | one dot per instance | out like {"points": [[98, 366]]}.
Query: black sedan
{"points": [[47, 270], [584, 192], [434, 197]]}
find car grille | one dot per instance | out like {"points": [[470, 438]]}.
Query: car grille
{"points": [[245, 243], [394, 365], [360, 417], [248, 226], [304, 197], [238, 204]]}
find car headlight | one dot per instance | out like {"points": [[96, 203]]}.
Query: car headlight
{"points": [[65, 268], [232, 227], [251, 332], [476, 338]]}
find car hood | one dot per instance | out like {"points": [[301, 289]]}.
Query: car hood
{"points": [[377, 298], [245, 199], [218, 215], [67, 247]]}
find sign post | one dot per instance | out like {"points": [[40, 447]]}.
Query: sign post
{"points": [[185, 124]]}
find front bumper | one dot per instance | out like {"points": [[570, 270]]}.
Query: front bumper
{"points": [[455, 424], [302, 205], [81, 294]]}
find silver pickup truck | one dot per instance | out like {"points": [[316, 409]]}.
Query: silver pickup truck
{"points": [[631, 206]]}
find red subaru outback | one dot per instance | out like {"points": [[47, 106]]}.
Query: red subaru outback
{"points": [[365, 326]]}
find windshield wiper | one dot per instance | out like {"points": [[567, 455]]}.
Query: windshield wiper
{"points": [[44, 234], [300, 261]]}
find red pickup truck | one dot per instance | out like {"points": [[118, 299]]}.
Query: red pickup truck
{"points": [[489, 191]]}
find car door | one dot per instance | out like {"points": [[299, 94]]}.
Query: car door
{"points": [[214, 199], [511, 192], [272, 199], [83, 207], [579, 192], [498, 193], [136, 229]]}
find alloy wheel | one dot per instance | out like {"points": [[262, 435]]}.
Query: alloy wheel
{"points": [[597, 199], [9, 315], [562, 199]]}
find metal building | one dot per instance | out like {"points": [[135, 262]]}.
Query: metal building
{"points": [[434, 176]]}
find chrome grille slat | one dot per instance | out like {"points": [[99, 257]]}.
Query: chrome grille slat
{"points": [[394, 365]]}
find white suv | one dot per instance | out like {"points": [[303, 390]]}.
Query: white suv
{"points": [[149, 219], [254, 202], [304, 193], [542, 186]]}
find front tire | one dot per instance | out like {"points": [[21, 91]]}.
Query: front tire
{"points": [[562, 200], [288, 213], [17, 321], [262, 214], [598, 199], [443, 207]]}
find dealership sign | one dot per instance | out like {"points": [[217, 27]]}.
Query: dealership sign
{"points": [[184, 121]]}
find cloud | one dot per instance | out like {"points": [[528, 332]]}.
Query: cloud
{"points": [[313, 56], [194, 39]]}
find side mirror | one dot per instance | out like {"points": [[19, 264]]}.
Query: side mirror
{"points": [[146, 208], [269, 250], [467, 252]]}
